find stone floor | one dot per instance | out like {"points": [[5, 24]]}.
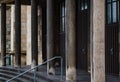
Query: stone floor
{"points": [[82, 76]]}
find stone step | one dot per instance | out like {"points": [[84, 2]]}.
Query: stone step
{"points": [[15, 74], [28, 77], [2, 79], [7, 76]]}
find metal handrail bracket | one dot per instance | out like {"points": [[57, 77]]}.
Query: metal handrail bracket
{"points": [[34, 68]]}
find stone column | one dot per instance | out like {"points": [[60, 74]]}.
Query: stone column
{"points": [[29, 52], [12, 40], [98, 41], [70, 41], [0, 36], [50, 41], [34, 32], [3, 34], [119, 38], [39, 34], [18, 32]]}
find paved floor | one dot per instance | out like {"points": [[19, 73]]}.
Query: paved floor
{"points": [[82, 76]]}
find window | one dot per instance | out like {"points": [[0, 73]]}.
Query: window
{"points": [[83, 4], [111, 11], [62, 17]]}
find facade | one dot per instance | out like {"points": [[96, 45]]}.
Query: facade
{"points": [[85, 33]]}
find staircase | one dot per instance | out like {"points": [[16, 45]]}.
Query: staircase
{"points": [[41, 76]]}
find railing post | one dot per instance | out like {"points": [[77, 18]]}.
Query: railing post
{"points": [[34, 74], [34, 68], [61, 69]]}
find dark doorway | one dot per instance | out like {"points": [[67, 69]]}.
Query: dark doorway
{"points": [[82, 28], [112, 38]]}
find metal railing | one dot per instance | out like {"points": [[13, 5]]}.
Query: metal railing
{"points": [[34, 68], [7, 56]]}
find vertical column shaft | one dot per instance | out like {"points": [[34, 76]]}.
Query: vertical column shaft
{"points": [[18, 32], [34, 34], [28, 50], [98, 41], [70, 40], [119, 37], [3, 34], [12, 27], [50, 41], [12, 33]]}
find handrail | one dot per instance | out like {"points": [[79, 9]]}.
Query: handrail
{"points": [[6, 56], [56, 57]]}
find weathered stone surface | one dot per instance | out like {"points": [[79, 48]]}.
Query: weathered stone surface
{"points": [[12, 27], [23, 27], [70, 41], [50, 38], [98, 41], [28, 50], [39, 35]]}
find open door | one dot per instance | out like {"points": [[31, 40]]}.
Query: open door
{"points": [[83, 17]]}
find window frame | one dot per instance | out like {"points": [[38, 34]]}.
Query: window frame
{"points": [[111, 2], [62, 16]]}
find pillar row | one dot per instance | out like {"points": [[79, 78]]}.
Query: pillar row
{"points": [[70, 41], [3, 34], [18, 33], [98, 41]]}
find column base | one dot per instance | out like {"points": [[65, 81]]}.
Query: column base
{"points": [[70, 81], [71, 74], [52, 71]]}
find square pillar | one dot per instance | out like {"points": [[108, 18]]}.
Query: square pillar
{"points": [[119, 38], [70, 40], [98, 41], [50, 37], [0, 37], [18, 33], [34, 32], [12, 38], [28, 44], [3, 34], [12, 27]]}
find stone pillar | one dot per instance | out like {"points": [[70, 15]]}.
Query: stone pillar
{"points": [[18, 33], [70, 41], [29, 52], [0, 36], [34, 32], [119, 38], [39, 34], [50, 41], [98, 41], [12, 27], [3, 34], [12, 40]]}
